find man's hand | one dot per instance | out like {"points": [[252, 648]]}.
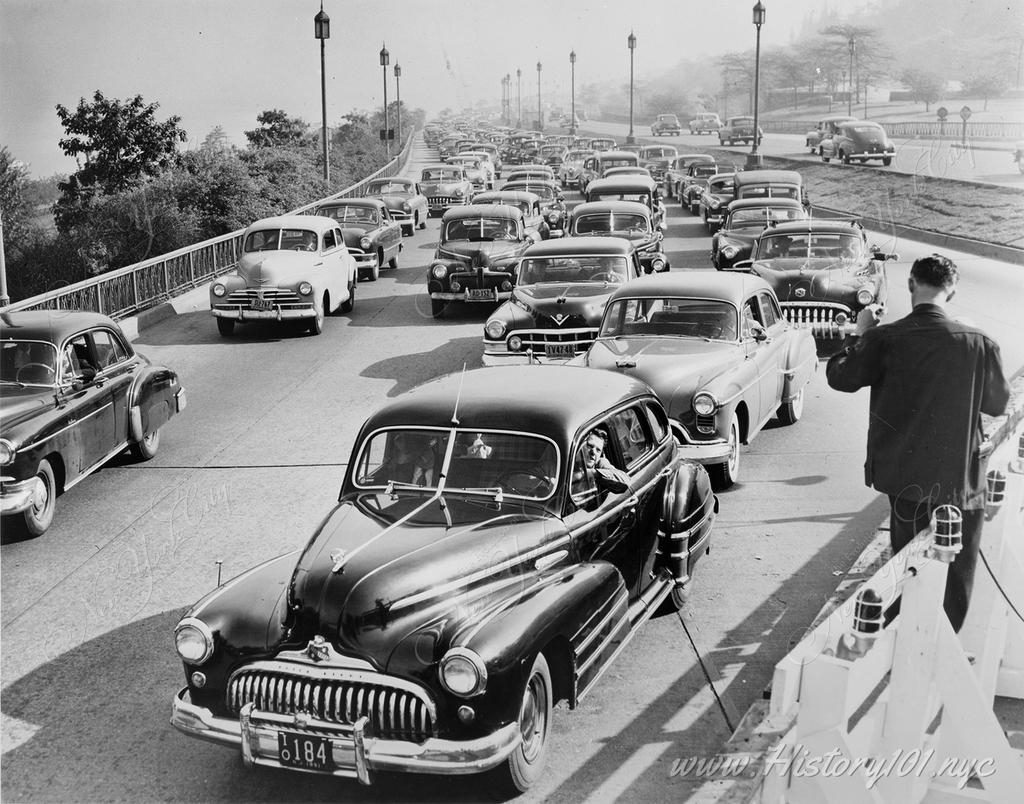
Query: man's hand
{"points": [[869, 318]]}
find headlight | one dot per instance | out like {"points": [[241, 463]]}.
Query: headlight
{"points": [[704, 404], [193, 640], [459, 192], [219, 290], [439, 271], [729, 252], [552, 217], [865, 296], [657, 265], [462, 672], [515, 343], [406, 207], [365, 243], [7, 452], [305, 288], [495, 329]]}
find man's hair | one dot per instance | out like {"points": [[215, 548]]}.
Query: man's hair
{"points": [[935, 270], [600, 434]]}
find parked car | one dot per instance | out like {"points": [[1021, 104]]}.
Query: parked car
{"points": [[572, 165], [771, 184], [629, 188], [715, 198], [860, 140], [717, 350], [629, 219], [75, 394], [677, 169], [705, 123], [552, 202], [473, 572], [405, 203], [372, 236], [445, 186], [528, 203], [558, 299], [739, 129], [823, 272], [744, 221], [292, 268], [666, 124], [693, 183], [476, 256], [824, 130]]}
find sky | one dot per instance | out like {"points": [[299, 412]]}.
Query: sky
{"points": [[222, 62]]}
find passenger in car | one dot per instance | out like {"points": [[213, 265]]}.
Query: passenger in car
{"points": [[411, 460], [596, 470]]}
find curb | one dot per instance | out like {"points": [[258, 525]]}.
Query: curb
{"points": [[198, 298]]}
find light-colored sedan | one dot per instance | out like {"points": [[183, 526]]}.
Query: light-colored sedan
{"points": [[292, 268]]}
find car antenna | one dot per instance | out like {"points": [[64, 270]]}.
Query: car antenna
{"points": [[458, 396]]}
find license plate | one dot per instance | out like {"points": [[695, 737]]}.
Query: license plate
{"points": [[261, 304], [304, 751], [560, 350], [481, 294]]}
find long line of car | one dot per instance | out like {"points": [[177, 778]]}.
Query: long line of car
{"points": [[501, 533]]}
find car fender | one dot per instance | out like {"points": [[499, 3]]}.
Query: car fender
{"points": [[688, 511], [801, 362], [565, 611], [152, 400]]}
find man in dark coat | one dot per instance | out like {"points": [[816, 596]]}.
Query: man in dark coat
{"points": [[931, 378]]}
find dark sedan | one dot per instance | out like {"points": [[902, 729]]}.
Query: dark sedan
{"points": [[744, 221], [629, 219], [489, 555], [372, 236], [75, 394], [403, 199]]}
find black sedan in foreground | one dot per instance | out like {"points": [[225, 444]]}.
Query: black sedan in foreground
{"points": [[489, 555]]}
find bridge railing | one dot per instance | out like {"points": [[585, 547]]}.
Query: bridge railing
{"points": [[917, 128], [142, 285]]}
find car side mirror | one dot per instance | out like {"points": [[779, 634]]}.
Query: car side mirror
{"points": [[663, 226], [740, 265], [758, 333]]}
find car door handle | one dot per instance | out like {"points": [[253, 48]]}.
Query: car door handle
{"points": [[318, 264], [550, 559]]}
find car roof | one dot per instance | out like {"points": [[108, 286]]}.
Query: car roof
{"points": [[526, 184], [632, 207], [835, 118], [50, 325], [376, 203], [730, 287], [391, 179], [506, 195], [818, 225], [617, 155], [768, 177], [438, 166], [317, 223], [482, 210], [587, 244], [554, 401], [628, 181]]}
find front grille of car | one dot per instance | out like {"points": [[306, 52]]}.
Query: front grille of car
{"points": [[279, 297], [472, 280], [819, 317], [395, 712], [537, 340], [441, 200]]}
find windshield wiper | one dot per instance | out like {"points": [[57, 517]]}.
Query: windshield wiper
{"points": [[393, 484], [19, 383], [497, 491]]}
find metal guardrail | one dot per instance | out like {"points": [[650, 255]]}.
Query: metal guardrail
{"points": [[142, 285], [920, 128]]}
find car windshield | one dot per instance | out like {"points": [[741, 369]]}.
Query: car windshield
{"points": [[743, 121], [670, 317], [280, 239], [762, 216], [351, 214], [668, 118], [552, 150], [440, 174], [389, 186], [611, 223], [28, 363], [804, 245], [577, 268], [576, 156], [770, 191], [660, 151], [481, 229], [722, 186], [543, 191], [702, 171], [482, 462], [603, 143], [622, 162], [643, 198]]}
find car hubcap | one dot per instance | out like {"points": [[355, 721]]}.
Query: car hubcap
{"points": [[532, 719], [40, 497], [798, 404], [734, 450]]}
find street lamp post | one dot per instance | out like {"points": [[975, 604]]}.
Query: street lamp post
{"points": [[631, 42], [540, 119], [322, 31], [398, 99], [572, 85], [519, 97], [849, 89], [754, 159], [385, 59]]}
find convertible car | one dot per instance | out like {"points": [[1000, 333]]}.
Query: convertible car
{"points": [[719, 352], [489, 555], [75, 394], [558, 299]]}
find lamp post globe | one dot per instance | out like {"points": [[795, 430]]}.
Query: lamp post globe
{"points": [[754, 159], [631, 43], [572, 68], [398, 98], [322, 31], [385, 59]]}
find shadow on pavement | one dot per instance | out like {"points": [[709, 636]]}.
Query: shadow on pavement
{"points": [[410, 370]]}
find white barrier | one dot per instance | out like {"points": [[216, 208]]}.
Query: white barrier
{"points": [[904, 713]]}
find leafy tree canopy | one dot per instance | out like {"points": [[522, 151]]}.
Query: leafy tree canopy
{"points": [[277, 129]]}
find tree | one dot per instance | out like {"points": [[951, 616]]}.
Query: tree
{"points": [[15, 208], [216, 140], [987, 85], [117, 145], [925, 85], [277, 129]]}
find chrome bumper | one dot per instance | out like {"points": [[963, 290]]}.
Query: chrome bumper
{"points": [[502, 295], [355, 752], [274, 314], [18, 497]]}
